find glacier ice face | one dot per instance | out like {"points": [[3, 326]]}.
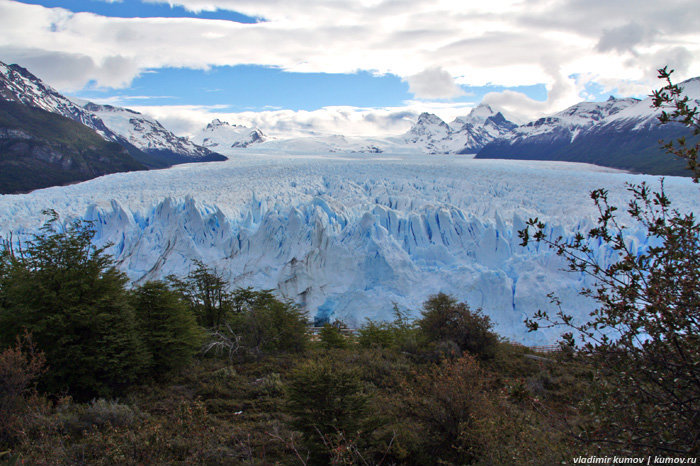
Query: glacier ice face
{"points": [[347, 235]]}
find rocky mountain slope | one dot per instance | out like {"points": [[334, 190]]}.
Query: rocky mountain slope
{"points": [[146, 139], [465, 135], [220, 135], [619, 133], [40, 149]]}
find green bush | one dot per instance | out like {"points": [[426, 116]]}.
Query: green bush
{"points": [[331, 336], [327, 403], [265, 324], [445, 320], [69, 295], [167, 327]]}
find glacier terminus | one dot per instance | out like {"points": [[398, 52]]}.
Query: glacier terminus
{"points": [[348, 235]]}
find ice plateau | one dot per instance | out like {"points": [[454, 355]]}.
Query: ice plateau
{"points": [[347, 235]]}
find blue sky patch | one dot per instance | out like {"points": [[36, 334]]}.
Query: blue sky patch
{"points": [[138, 9]]}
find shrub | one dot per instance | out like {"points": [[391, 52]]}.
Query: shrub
{"points": [[266, 324], [444, 319], [331, 336], [20, 366], [167, 327], [326, 401]]}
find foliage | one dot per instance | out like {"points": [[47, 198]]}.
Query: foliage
{"points": [[671, 97], [445, 320], [20, 366], [167, 327], [69, 295], [266, 324], [331, 335], [645, 334], [401, 333], [326, 402], [207, 293]]}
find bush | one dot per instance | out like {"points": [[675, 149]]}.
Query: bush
{"points": [[327, 403], [76, 418], [20, 366], [167, 327], [446, 320], [331, 336], [266, 324], [73, 300]]}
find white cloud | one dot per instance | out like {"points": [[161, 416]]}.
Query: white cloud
{"points": [[350, 121], [433, 83], [500, 42]]}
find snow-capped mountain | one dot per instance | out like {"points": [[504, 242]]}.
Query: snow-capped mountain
{"points": [[116, 124], [464, 135], [149, 135], [568, 124], [17, 84], [620, 133], [220, 135]]}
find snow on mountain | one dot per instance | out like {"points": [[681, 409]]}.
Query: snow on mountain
{"points": [[619, 133], [346, 235], [221, 136], [112, 123], [19, 85], [144, 132], [643, 116], [569, 123], [464, 135]]}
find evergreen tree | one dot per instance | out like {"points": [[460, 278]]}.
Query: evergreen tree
{"points": [[167, 326], [73, 300], [327, 405]]}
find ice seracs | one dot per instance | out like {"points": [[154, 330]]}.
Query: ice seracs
{"points": [[347, 235]]}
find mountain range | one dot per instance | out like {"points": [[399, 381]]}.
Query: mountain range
{"points": [[36, 120], [618, 133]]}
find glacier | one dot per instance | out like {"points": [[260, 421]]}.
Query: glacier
{"points": [[348, 235]]}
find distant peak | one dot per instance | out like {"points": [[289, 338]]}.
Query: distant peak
{"points": [[611, 98], [426, 117], [216, 123]]}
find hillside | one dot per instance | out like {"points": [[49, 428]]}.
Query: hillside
{"points": [[40, 149]]}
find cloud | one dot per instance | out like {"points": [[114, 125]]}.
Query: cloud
{"points": [[500, 42], [349, 121], [624, 38], [433, 83]]}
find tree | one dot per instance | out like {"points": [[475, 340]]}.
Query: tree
{"points": [[267, 324], [644, 337], [69, 295], [326, 402], [671, 97], [167, 327], [445, 320], [208, 294]]}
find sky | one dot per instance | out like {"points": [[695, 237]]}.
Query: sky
{"points": [[361, 67]]}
